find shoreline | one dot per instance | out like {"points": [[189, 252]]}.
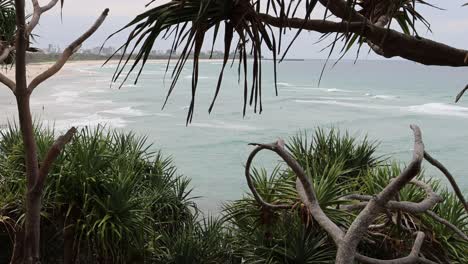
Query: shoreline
{"points": [[35, 68]]}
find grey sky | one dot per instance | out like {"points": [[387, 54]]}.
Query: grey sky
{"points": [[449, 26]]}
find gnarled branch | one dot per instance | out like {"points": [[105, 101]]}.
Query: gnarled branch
{"points": [[3, 78], [430, 201], [396, 44], [251, 185], [413, 257], [51, 156], [36, 16], [447, 224], [449, 177], [372, 206], [347, 250], [306, 190], [67, 53]]}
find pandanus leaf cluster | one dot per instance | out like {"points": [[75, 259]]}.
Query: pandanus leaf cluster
{"points": [[247, 38]]}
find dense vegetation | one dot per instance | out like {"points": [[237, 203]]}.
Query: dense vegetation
{"points": [[110, 199]]}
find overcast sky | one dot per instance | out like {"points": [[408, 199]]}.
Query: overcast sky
{"points": [[449, 26]]}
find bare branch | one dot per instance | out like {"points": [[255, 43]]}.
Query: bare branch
{"points": [[413, 257], [306, 191], [36, 16], [347, 250], [3, 78], [8, 82], [430, 201], [447, 224], [449, 177], [251, 185], [372, 206], [6, 52], [412, 48], [67, 53], [51, 156]]}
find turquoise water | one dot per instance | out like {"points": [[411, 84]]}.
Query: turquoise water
{"points": [[377, 98]]}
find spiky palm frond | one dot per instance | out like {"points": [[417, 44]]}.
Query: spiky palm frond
{"points": [[107, 187], [203, 240], [327, 147], [188, 21], [7, 21]]}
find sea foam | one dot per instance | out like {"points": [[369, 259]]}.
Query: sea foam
{"points": [[223, 125], [439, 109], [345, 104], [90, 120], [125, 111]]}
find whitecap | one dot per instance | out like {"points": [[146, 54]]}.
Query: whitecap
{"points": [[89, 72], [284, 84], [91, 120], [346, 104], [334, 90], [66, 96], [130, 85], [439, 109], [97, 91], [385, 97], [340, 98], [224, 125], [125, 111]]}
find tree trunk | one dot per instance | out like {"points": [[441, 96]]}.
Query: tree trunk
{"points": [[33, 197]]}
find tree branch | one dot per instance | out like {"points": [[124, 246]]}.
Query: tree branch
{"points": [[412, 48], [3, 78], [430, 201], [447, 224], [413, 257], [70, 50], [251, 185], [8, 82], [51, 156], [306, 191], [6, 52], [449, 177], [36, 16], [347, 250], [372, 206]]}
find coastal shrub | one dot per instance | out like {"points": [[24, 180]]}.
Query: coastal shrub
{"points": [[111, 199], [107, 196], [339, 164]]}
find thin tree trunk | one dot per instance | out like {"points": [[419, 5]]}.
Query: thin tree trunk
{"points": [[33, 199]]}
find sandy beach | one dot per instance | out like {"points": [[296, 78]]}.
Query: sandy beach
{"points": [[34, 69]]}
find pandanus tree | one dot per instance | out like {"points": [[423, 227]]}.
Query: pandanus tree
{"points": [[256, 28], [253, 27], [16, 35]]}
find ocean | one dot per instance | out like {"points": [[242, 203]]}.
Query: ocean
{"points": [[379, 99]]}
